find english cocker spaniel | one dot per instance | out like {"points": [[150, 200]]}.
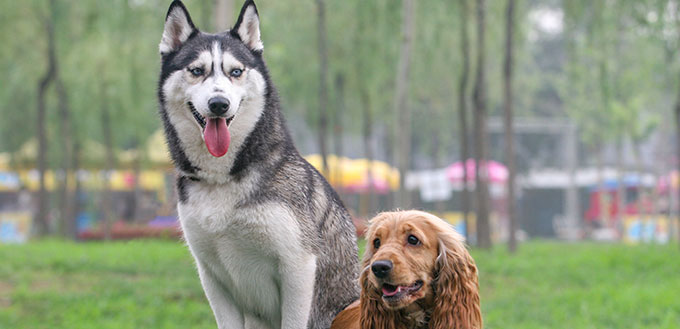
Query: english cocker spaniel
{"points": [[417, 274]]}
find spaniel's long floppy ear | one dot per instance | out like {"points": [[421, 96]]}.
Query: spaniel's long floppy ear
{"points": [[178, 28], [457, 288]]}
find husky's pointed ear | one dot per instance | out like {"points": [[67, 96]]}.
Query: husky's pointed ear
{"points": [[178, 28], [247, 27]]}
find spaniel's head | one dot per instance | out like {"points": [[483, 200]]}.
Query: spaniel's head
{"points": [[416, 262]]}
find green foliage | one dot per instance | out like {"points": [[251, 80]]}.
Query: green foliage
{"points": [[107, 53], [612, 69], [153, 284], [616, 85]]}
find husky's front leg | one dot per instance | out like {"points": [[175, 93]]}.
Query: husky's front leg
{"points": [[227, 315], [297, 291]]}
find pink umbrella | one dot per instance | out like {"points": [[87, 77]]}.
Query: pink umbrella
{"points": [[498, 173]]}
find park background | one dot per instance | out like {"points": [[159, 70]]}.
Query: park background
{"points": [[569, 110]]}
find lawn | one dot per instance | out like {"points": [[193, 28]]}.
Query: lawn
{"points": [[153, 284]]}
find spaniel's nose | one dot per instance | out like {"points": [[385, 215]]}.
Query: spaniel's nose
{"points": [[381, 268]]}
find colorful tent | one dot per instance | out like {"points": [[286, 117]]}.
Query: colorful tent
{"points": [[121, 180], [352, 175]]}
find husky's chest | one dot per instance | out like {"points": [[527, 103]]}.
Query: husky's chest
{"points": [[241, 246]]}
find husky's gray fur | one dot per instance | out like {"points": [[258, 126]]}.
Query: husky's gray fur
{"points": [[274, 246]]}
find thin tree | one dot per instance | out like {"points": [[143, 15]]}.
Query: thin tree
{"points": [[677, 150], [323, 83], [136, 96], [68, 225], [107, 196], [77, 188], [462, 109], [402, 130], [677, 132], [368, 148], [364, 41], [509, 133], [337, 127], [41, 225], [479, 99]]}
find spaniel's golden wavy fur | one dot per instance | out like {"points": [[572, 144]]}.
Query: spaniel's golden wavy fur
{"points": [[429, 262]]}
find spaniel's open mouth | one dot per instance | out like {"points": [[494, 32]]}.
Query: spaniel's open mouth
{"points": [[215, 132], [391, 292]]}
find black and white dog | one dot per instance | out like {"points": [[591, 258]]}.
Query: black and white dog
{"points": [[274, 246]]}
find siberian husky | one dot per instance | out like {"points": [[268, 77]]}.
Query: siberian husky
{"points": [[273, 244]]}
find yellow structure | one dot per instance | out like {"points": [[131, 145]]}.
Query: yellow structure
{"points": [[346, 172]]}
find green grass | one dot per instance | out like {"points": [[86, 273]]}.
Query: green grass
{"points": [[585, 285], [153, 284]]}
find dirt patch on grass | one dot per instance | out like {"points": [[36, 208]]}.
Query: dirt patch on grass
{"points": [[50, 282], [6, 290]]}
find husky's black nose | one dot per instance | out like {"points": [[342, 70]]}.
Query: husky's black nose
{"points": [[218, 105], [381, 268]]}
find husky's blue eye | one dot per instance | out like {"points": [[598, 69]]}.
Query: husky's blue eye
{"points": [[197, 71], [236, 73]]}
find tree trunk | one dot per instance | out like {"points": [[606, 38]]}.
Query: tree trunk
{"points": [[642, 191], [462, 111], [137, 188], [677, 150], [40, 219], [224, 13], [323, 83], [73, 225], [621, 185], [438, 161], [337, 129], [509, 133], [677, 145], [66, 124], [603, 195], [479, 97], [402, 130], [107, 202], [368, 148]]}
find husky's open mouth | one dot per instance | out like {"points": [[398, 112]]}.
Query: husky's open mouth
{"points": [[199, 118], [215, 132]]}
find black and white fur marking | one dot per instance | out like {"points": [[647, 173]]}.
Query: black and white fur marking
{"points": [[274, 246]]}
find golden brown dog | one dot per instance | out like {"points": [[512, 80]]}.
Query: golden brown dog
{"points": [[417, 274]]}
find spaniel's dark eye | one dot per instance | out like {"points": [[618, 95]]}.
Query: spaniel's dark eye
{"points": [[412, 240], [376, 243], [236, 73], [197, 71]]}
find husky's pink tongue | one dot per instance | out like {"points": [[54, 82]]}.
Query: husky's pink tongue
{"points": [[216, 136]]}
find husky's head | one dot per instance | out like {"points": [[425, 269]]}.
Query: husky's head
{"points": [[210, 82]]}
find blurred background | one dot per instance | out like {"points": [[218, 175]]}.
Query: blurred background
{"points": [[569, 110]]}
